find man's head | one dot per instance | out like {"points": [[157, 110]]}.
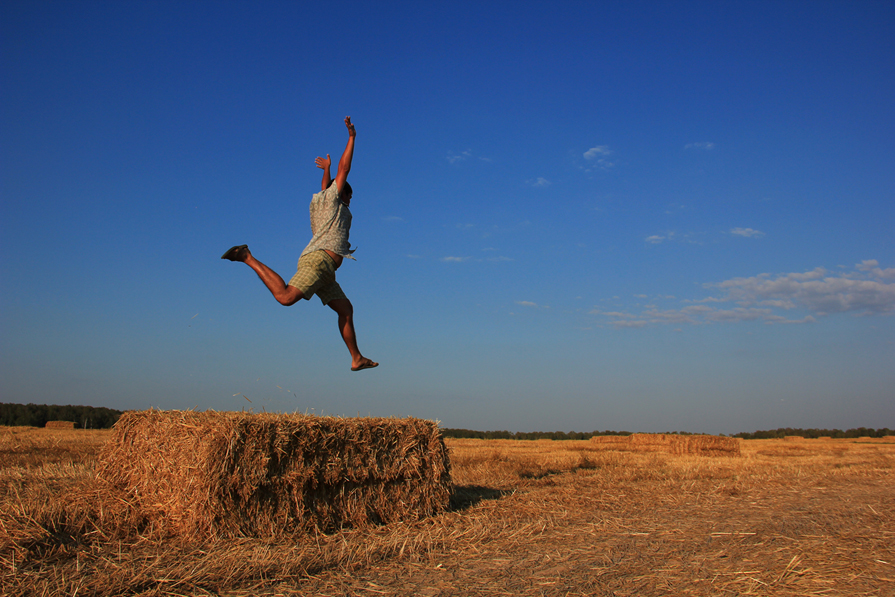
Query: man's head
{"points": [[345, 195]]}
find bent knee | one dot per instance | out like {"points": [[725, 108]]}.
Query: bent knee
{"points": [[341, 306], [289, 296]]}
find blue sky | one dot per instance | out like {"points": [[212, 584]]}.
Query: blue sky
{"points": [[642, 216]]}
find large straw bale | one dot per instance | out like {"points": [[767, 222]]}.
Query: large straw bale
{"points": [[204, 474], [653, 442], [60, 425]]}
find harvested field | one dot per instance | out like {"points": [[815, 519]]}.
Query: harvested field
{"points": [[527, 518]]}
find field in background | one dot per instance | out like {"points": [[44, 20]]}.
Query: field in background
{"points": [[786, 517]]}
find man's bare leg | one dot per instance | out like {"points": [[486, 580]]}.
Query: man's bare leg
{"points": [[285, 294], [345, 311]]}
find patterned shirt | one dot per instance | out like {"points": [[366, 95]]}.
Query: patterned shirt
{"points": [[330, 223]]}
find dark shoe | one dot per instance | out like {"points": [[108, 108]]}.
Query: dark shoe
{"points": [[237, 253]]}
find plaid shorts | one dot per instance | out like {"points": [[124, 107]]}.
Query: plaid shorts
{"points": [[316, 274]]}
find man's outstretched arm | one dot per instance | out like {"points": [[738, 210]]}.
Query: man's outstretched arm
{"points": [[324, 164], [347, 156]]}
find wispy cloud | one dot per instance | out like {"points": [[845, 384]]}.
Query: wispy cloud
{"points": [[453, 259], [532, 305], [747, 232], [706, 145], [598, 158], [791, 298], [538, 182], [671, 235], [453, 157], [458, 157], [597, 152]]}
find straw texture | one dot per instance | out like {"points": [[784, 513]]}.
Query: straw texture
{"points": [[210, 474], [60, 425], [699, 445]]}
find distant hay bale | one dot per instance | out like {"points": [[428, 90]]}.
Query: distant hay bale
{"points": [[653, 442], [793, 438], [700, 445], [60, 425], [708, 445], [205, 474], [612, 442]]}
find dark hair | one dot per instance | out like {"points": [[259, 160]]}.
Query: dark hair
{"points": [[346, 188]]}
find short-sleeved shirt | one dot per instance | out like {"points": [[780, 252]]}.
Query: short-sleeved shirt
{"points": [[330, 223]]}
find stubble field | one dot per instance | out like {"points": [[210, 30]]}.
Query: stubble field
{"points": [[808, 517]]}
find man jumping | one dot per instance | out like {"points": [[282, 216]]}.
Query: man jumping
{"points": [[317, 265]]}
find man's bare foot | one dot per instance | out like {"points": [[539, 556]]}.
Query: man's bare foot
{"points": [[364, 363], [237, 253]]}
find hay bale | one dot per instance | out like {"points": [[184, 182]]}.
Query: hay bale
{"points": [[793, 438], [612, 442], [708, 445], [204, 474], [700, 445], [60, 425], [653, 442]]}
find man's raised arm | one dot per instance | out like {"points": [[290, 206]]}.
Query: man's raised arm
{"points": [[324, 164], [347, 156]]}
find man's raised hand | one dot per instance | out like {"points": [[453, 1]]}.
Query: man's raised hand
{"points": [[350, 126], [323, 163]]}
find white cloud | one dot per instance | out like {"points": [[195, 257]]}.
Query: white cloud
{"points": [[595, 152], [597, 155], [672, 236], [871, 266], [459, 157], [747, 232], [706, 145], [463, 156], [630, 324], [539, 182], [865, 290], [532, 305], [452, 259]]}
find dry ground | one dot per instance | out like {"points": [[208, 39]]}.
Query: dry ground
{"points": [[812, 517]]}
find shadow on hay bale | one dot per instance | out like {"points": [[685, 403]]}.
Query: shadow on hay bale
{"points": [[200, 475]]}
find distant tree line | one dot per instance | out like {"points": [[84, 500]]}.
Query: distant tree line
{"points": [[37, 415], [556, 435], [815, 433], [560, 435]]}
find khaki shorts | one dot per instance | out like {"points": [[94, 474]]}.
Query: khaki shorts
{"points": [[316, 274]]}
